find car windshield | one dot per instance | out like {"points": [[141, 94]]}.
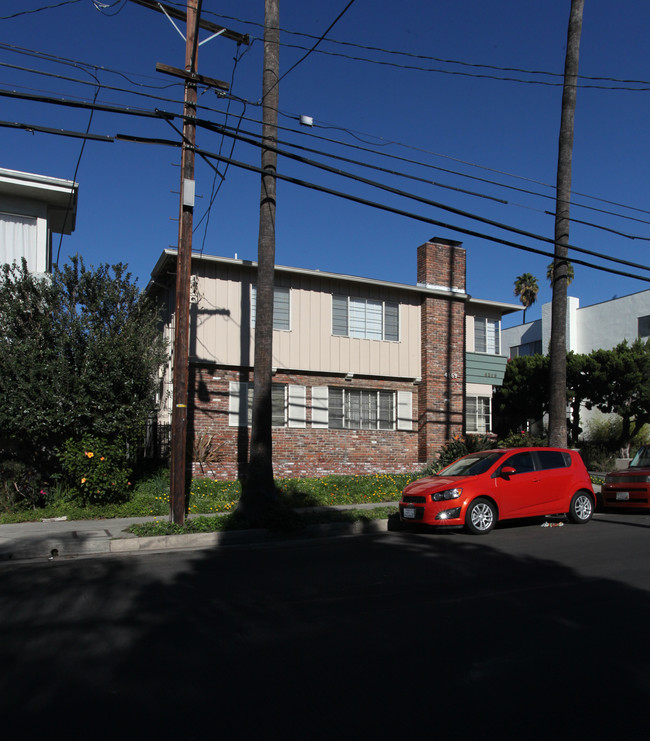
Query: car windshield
{"points": [[471, 465], [642, 458]]}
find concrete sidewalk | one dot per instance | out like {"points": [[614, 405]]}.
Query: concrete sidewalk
{"points": [[52, 539]]}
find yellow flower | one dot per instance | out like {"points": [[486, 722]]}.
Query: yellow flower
{"points": [[83, 480], [89, 454]]}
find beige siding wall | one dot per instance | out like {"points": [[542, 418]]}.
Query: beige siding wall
{"points": [[221, 317]]}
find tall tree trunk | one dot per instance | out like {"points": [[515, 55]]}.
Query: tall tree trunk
{"points": [[557, 431], [258, 488]]}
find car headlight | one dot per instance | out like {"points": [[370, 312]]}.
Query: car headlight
{"points": [[441, 496], [449, 514]]}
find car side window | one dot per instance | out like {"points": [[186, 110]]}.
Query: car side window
{"points": [[521, 462], [553, 459]]}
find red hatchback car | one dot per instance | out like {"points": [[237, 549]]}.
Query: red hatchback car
{"points": [[481, 488], [629, 488]]}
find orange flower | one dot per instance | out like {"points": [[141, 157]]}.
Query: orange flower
{"points": [[83, 480]]}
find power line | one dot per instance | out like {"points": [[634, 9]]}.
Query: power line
{"points": [[440, 60], [426, 201], [384, 207], [354, 134], [38, 10], [313, 48]]}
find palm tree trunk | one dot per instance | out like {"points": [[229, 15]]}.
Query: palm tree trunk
{"points": [[258, 489], [557, 432]]}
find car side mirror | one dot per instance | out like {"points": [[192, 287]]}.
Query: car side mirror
{"points": [[507, 471]]}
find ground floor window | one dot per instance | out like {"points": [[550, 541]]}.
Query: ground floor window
{"points": [[478, 414], [361, 409], [287, 401]]}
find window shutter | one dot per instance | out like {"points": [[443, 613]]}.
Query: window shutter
{"points": [[278, 405], [391, 322], [297, 406], [319, 402], [339, 315], [281, 295], [238, 404], [404, 410]]}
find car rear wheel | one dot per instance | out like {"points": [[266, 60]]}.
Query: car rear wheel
{"points": [[581, 508], [481, 517]]}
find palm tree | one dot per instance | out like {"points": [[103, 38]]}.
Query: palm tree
{"points": [[557, 427], [527, 289], [550, 273], [258, 487]]}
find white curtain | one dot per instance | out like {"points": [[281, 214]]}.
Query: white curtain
{"points": [[18, 240]]}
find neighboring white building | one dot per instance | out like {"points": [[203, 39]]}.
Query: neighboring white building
{"points": [[597, 327], [32, 208]]}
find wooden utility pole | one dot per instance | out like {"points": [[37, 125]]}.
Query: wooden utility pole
{"points": [[557, 427], [180, 461], [180, 466]]}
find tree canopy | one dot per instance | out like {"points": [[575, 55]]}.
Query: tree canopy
{"points": [[619, 382], [527, 288], [80, 352]]}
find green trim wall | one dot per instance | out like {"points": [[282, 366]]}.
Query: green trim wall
{"points": [[483, 368]]}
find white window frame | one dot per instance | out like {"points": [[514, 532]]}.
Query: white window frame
{"points": [[476, 419], [289, 405], [365, 318], [363, 409], [487, 335]]}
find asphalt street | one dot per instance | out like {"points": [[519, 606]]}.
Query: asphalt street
{"points": [[526, 633]]}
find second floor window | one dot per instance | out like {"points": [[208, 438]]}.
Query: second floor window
{"points": [[486, 335], [369, 319], [281, 307]]}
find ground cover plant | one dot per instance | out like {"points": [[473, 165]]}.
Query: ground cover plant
{"points": [[150, 496]]}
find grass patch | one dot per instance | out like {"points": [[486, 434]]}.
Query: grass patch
{"points": [[208, 497], [295, 523]]}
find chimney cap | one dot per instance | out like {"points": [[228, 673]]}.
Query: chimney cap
{"points": [[444, 240]]}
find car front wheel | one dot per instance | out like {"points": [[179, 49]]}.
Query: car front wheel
{"points": [[481, 517], [581, 508]]}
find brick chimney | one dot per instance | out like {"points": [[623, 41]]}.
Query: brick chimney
{"points": [[441, 396]]}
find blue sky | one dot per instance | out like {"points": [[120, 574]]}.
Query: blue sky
{"points": [[433, 112]]}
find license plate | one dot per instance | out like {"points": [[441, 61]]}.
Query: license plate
{"points": [[409, 513], [622, 496]]}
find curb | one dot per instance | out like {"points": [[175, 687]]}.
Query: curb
{"points": [[98, 542], [241, 537]]}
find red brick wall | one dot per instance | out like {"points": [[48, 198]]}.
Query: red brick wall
{"points": [[438, 402], [300, 452], [442, 392]]}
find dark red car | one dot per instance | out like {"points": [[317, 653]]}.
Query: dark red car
{"points": [[481, 488], [629, 488]]}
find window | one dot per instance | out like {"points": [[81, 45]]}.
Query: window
{"points": [[18, 237], [553, 459], [521, 462], [478, 417], [359, 409], [287, 405], [530, 348], [644, 326], [281, 306], [278, 404], [370, 319], [486, 335]]}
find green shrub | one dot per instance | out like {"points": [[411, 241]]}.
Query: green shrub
{"points": [[457, 448], [21, 487], [522, 439], [95, 470]]}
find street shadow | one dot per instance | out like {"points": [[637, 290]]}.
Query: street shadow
{"points": [[386, 635]]}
